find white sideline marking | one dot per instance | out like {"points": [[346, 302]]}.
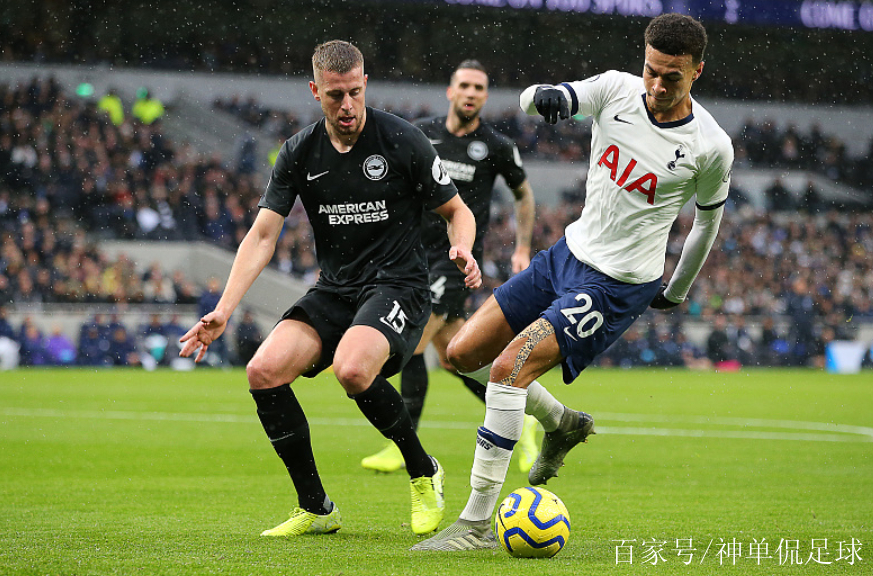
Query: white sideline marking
{"points": [[832, 432]]}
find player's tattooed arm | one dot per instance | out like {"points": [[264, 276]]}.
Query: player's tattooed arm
{"points": [[532, 335]]}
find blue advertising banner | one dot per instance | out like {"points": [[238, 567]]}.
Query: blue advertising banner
{"points": [[836, 14]]}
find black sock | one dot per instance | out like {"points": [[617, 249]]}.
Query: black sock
{"points": [[286, 427], [413, 387], [475, 387], [382, 405]]}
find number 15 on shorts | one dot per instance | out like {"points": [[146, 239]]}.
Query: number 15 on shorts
{"points": [[589, 322], [396, 319]]}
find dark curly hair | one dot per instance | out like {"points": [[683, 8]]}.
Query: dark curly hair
{"points": [[677, 35]]}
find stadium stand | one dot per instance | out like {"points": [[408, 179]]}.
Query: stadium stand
{"points": [[793, 271]]}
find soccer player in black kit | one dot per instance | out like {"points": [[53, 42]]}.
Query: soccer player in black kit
{"points": [[474, 154], [364, 177]]}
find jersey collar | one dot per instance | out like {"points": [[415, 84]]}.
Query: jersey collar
{"points": [[673, 124]]}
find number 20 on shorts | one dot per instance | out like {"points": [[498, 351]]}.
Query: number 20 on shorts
{"points": [[590, 321]]}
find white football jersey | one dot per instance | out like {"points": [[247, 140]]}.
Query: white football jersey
{"points": [[641, 173]]}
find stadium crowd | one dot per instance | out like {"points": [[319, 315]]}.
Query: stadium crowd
{"points": [[760, 144], [426, 40], [69, 178]]}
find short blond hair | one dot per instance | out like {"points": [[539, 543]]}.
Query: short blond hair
{"points": [[336, 56]]}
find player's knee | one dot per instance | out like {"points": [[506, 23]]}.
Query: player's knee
{"points": [[353, 378], [460, 356], [260, 375], [502, 367], [444, 362]]}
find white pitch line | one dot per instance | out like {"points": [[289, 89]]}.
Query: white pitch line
{"points": [[744, 422], [735, 434], [834, 432]]}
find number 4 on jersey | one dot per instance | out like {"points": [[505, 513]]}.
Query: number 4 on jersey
{"points": [[590, 321]]}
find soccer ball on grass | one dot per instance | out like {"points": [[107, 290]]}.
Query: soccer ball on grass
{"points": [[532, 523]]}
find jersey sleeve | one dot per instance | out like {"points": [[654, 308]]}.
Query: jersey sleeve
{"points": [[509, 164], [590, 96], [432, 182], [587, 97], [280, 193], [714, 178]]}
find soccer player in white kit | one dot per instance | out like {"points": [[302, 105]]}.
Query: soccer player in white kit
{"points": [[653, 149]]}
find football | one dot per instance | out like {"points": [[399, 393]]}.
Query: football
{"points": [[532, 523]]}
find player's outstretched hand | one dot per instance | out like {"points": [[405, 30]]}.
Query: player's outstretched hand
{"points": [[465, 262], [551, 104], [660, 302], [202, 334]]}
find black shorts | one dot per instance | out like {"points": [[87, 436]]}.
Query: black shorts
{"points": [[448, 295], [398, 312]]}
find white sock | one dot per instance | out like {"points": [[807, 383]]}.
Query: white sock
{"points": [[504, 418], [543, 406], [481, 375], [540, 402]]}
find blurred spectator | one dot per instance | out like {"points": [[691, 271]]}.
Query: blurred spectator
{"points": [[122, 348], [248, 338], [33, 348], [60, 348], [111, 105], [719, 348], [810, 202], [6, 330], [157, 287], [93, 346], [146, 108], [9, 356], [800, 306], [778, 196]]}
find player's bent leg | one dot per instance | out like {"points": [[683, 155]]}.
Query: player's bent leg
{"points": [[441, 343], [292, 348], [359, 357], [433, 327], [529, 355], [535, 351], [358, 354], [413, 389], [481, 339]]}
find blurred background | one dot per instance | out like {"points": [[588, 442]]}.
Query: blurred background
{"points": [[136, 139]]}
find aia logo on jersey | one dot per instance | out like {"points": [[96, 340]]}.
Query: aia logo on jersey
{"points": [[645, 184]]}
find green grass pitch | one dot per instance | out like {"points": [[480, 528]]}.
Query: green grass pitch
{"points": [[130, 472]]}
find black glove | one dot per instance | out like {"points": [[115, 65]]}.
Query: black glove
{"points": [[551, 104], [660, 302]]}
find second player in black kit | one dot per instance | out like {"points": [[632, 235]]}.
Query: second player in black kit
{"points": [[474, 155], [473, 161], [365, 178]]}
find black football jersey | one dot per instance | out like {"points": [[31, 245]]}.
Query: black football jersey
{"points": [[473, 161], [365, 206]]}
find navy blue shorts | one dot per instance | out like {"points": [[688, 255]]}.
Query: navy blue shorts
{"points": [[588, 309]]}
